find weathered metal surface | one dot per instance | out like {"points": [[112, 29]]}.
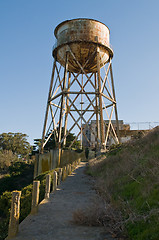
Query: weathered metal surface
{"points": [[82, 36]]}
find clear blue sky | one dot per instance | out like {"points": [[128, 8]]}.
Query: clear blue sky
{"points": [[26, 40]]}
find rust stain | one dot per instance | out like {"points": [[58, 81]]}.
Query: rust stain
{"points": [[82, 34]]}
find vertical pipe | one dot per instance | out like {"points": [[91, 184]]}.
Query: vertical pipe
{"points": [[97, 109], [47, 108], [81, 108], [116, 113], [62, 99], [100, 100], [67, 109]]}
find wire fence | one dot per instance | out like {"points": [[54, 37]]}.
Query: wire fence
{"points": [[142, 125]]}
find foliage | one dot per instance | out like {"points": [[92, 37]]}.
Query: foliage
{"points": [[147, 229], [20, 170], [3, 228], [21, 174], [51, 144], [26, 195], [36, 146], [25, 201], [15, 142], [128, 178], [5, 204], [6, 159]]}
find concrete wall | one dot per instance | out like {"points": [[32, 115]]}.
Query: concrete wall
{"points": [[55, 158]]}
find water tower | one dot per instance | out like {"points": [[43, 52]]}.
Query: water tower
{"points": [[82, 86]]}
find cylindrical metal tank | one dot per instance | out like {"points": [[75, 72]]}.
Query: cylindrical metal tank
{"points": [[82, 36]]}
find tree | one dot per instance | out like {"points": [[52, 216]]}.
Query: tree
{"points": [[6, 159], [51, 144], [15, 142], [36, 146]]}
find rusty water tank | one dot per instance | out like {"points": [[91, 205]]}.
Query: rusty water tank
{"points": [[82, 36]]}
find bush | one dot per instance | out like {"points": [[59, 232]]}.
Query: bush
{"points": [[6, 159], [21, 174], [25, 202], [4, 229], [5, 204]]}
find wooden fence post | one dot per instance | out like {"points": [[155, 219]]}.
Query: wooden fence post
{"points": [[70, 170], [35, 197], [14, 215], [54, 181], [72, 167], [60, 176], [64, 173], [47, 187]]}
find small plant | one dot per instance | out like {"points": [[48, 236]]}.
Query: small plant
{"points": [[98, 213]]}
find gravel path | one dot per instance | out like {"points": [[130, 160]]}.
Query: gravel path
{"points": [[53, 221]]}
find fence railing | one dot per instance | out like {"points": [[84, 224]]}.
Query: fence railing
{"points": [[58, 176]]}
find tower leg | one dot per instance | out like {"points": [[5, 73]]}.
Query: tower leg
{"points": [[100, 101], [47, 108], [116, 113], [81, 139], [62, 100], [67, 109], [97, 109]]}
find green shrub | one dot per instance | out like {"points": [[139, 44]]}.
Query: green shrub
{"points": [[21, 174], [144, 229], [3, 228], [25, 202], [5, 204]]}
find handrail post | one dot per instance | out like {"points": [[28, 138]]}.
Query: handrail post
{"points": [[47, 186], [64, 173], [35, 197], [70, 170], [54, 181], [14, 215], [60, 176]]}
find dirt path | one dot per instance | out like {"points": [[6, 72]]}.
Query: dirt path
{"points": [[53, 221]]}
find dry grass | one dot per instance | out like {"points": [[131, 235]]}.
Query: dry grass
{"points": [[98, 213], [127, 179]]}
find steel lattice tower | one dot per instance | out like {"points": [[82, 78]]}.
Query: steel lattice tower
{"points": [[82, 85]]}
